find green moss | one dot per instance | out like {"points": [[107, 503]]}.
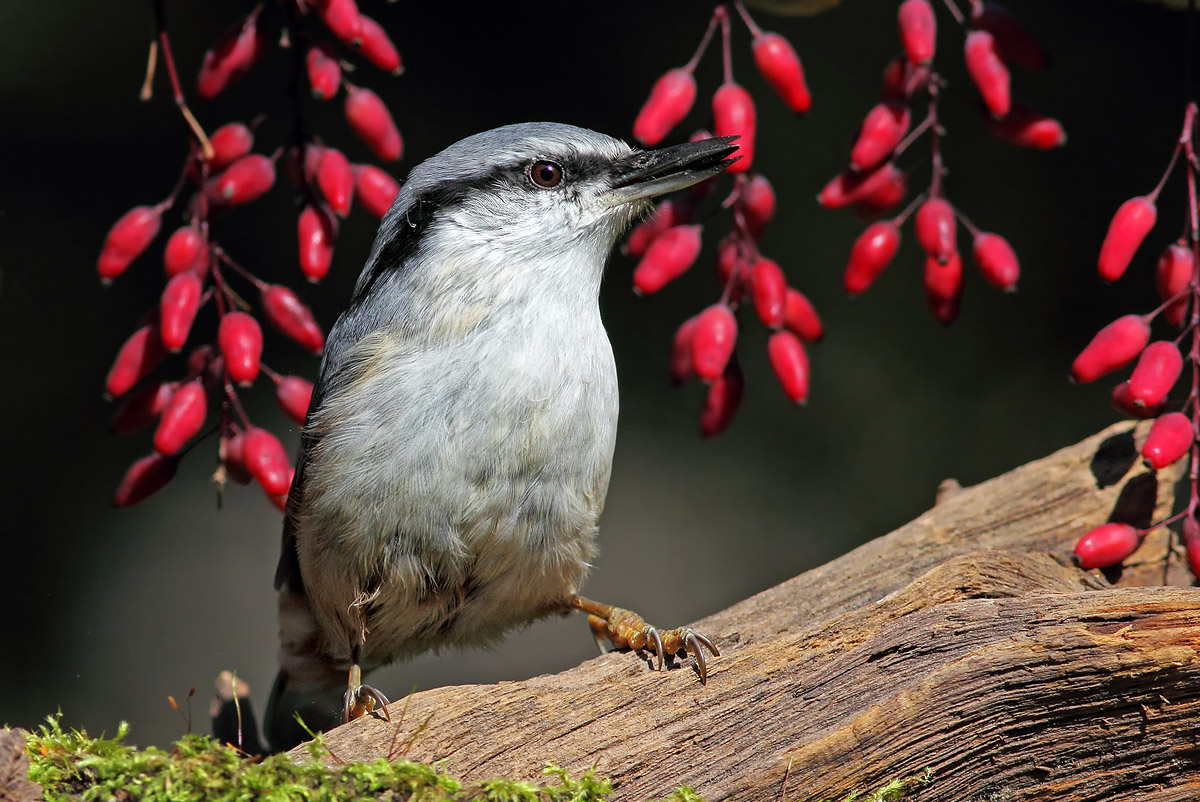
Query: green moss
{"points": [[70, 765]]}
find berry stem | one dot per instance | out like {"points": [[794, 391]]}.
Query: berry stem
{"points": [[160, 25], [151, 64], [718, 13], [899, 220], [921, 128], [232, 396], [955, 12], [935, 132], [726, 42], [755, 31], [258, 283]]}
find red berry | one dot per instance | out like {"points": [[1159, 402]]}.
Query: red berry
{"points": [[996, 260], [871, 253], [852, 187], [779, 64], [230, 58], [730, 254], [733, 115], [1025, 127], [1155, 373], [722, 401], [317, 232], [918, 30], [1013, 42], [768, 289], [294, 394], [140, 354], [670, 100], [1172, 275], [667, 258], [281, 500], [800, 317], [143, 479], [1113, 347], [240, 339], [901, 79], [935, 229], [182, 418], [247, 179], [373, 123], [324, 72], [790, 363], [126, 240], [230, 142], [142, 407], [988, 72], [1122, 402], [266, 461], [336, 180], [177, 309], [291, 317], [375, 189], [234, 459], [732, 265], [377, 46], [881, 131], [757, 204], [1192, 546], [1128, 228], [680, 363], [183, 251], [943, 287], [1170, 437], [341, 17], [885, 194], [668, 214], [1106, 545], [713, 341]]}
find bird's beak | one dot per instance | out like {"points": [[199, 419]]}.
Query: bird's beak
{"points": [[650, 173]]}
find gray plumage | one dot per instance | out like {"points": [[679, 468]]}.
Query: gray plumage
{"points": [[457, 451]]}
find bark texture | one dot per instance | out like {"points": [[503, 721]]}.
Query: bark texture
{"points": [[965, 642]]}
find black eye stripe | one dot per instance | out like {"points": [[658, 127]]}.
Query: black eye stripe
{"points": [[546, 174]]}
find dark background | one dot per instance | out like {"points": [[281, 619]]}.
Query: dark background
{"points": [[107, 612]]}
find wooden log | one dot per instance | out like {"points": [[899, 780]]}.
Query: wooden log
{"points": [[964, 642]]}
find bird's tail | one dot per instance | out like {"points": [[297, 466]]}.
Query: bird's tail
{"points": [[310, 685]]}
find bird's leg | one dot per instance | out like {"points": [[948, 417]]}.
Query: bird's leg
{"points": [[362, 699], [625, 629]]}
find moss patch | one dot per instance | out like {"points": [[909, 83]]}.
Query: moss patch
{"points": [[70, 765]]}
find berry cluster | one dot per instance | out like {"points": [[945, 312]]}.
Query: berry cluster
{"points": [[668, 242], [222, 172], [874, 184], [1159, 364]]}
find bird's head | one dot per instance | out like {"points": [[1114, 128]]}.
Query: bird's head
{"points": [[541, 201]]}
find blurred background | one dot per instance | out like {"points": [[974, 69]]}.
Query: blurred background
{"points": [[107, 612]]}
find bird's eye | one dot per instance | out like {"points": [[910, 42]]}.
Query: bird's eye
{"points": [[545, 174]]}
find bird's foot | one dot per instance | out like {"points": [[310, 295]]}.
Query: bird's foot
{"points": [[362, 699], [625, 629]]}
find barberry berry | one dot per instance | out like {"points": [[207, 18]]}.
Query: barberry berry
{"points": [[1113, 347], [126, 240], [240, 339], [1128, 228], [670, 100], [1107, 544]]}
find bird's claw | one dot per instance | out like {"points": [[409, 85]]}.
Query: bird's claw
{"points": [[362, 699], [625, 629]]}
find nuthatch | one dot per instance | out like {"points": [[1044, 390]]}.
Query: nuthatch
{"points": [[458, 447]]}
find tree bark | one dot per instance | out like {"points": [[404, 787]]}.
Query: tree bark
{"points": [[965, 642]]}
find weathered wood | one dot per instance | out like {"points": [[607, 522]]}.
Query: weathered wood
{"points": [[965, 642]]}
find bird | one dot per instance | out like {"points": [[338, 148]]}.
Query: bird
{"points": [[457, 451]]}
